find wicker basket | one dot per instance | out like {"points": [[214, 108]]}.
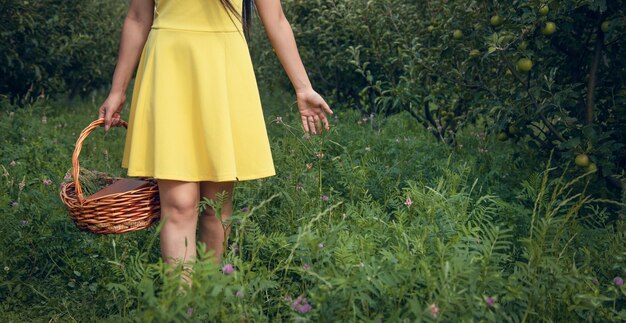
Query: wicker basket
{"points": [[126, 211]]}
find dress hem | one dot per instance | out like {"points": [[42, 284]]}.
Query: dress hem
{"points": [[219, 178]]}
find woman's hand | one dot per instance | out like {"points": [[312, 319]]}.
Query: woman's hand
{"points": [[110, 110], [313, 109]]}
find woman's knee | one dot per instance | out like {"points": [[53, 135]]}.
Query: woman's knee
{"points": [[179, 200]]}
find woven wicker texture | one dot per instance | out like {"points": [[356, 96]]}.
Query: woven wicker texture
{"points": [[113, 213]]}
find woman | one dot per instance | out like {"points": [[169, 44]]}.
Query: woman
{"points": [[196, 123]]}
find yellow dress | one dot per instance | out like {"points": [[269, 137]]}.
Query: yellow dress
{"points": [[195, 112]]}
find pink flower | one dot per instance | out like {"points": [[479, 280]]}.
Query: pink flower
{"points": [[434, 310], [245, 209], [228, 269], [301, 304], [490, 301], [324, 198], [618, 281], [306, 267], [47, 182], [408, 202]]}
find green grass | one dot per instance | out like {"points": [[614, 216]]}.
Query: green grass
{"points": [[366, 223]]}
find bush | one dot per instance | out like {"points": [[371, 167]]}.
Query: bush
{"points": [[446, 64], [52, 47]]}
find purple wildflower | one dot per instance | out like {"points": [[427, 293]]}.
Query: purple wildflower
{"points": [[47, 182], [490, 301], [301, 305], [228, 269], [306, 267], [13, 204], [618, 281], [245, 209], [408, 202], [324, 198]]}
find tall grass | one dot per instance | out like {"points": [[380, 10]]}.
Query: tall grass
{"points": [[361, 224]]}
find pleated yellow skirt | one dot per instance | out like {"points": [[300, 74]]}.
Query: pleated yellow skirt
{"points": [[196, 112]]}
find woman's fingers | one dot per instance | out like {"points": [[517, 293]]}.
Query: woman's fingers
{"points": [[312, 125], [325, 122], [318, 123], [305, 124]]}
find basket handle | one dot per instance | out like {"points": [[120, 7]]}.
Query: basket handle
{"points": [[79, 145]]}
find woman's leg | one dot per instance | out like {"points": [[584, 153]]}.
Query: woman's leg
{"points": [[211, 230], [179, 211]]}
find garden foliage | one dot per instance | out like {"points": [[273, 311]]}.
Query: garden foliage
{"points": [[52, 47], [451, 64]]}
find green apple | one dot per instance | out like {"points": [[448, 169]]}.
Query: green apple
{"points": [[549, 28], [524, 65], [496, 21]]}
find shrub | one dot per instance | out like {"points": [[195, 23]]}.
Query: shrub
{"points": [[52, 47]]}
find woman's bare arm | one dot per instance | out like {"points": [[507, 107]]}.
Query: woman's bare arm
{"points": [[134, 34], [311, 105]]}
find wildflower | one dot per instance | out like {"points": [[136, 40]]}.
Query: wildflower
{"points": [[299, 187], [189, 311], [6, 268], [278, 120], [21, 185], [47, 182], [25, 222], [618, 281], [13, 204], [44, 120], [324, 198], [319, 155], [408, 202], [228, 269], [490, 301], [309, 167], [301, 305], [239, 294], [13, 163], [245, 209], [306, 267], [359, 122], [321, 245], [434, 310], [368, 148], [235, 248]]}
